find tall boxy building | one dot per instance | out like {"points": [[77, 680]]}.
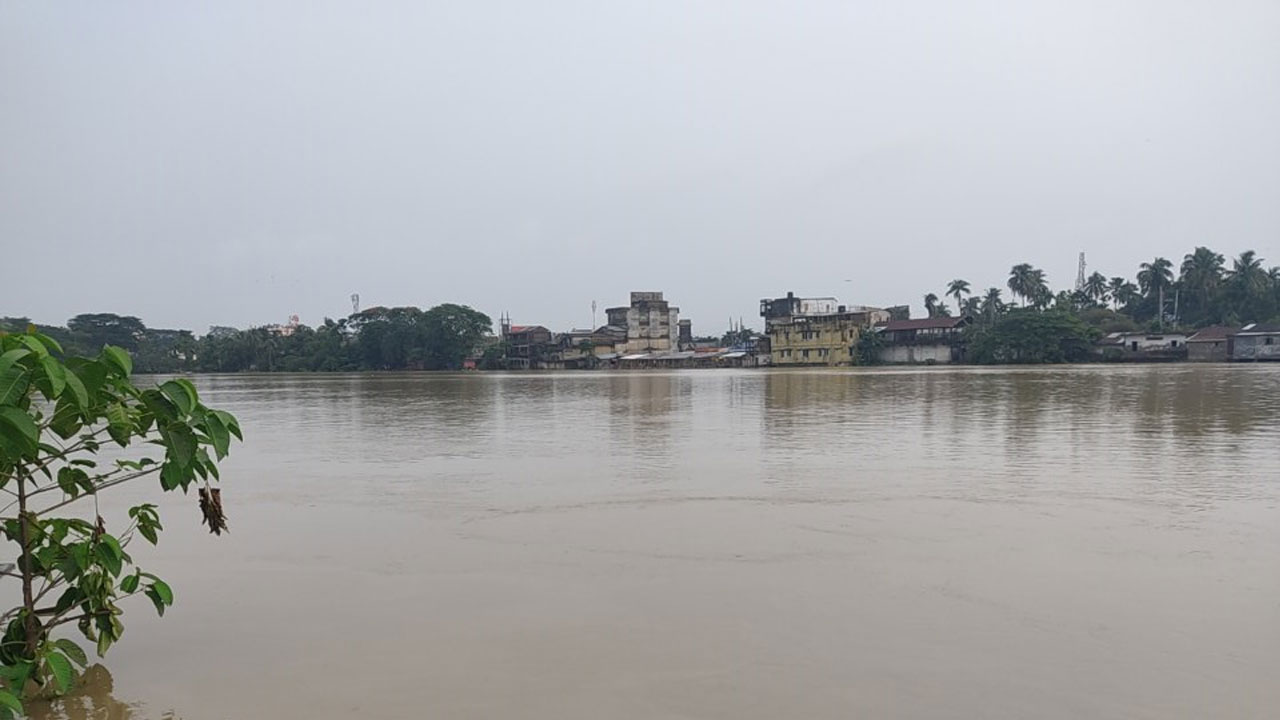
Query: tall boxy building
{"points": [[650, 321], [815, 331]]}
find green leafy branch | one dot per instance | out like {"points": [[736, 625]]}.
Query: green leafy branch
{"points": [[56, 416]]}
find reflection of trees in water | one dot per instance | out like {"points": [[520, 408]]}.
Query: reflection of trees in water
{"points": [[91, 699], [1040, 422]]}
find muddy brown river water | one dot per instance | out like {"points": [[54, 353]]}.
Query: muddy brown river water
{"points": [[1097, 542]]}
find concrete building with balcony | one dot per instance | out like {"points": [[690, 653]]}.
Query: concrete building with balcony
{"points": [[652, 324], [814, 331], [527, 345], [928, 341]]}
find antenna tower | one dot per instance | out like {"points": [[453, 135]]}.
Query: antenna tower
{"points": [[1080, 275], [355, 303]]}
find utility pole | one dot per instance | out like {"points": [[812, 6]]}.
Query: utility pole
{"points": [[1080, 274], [593, 316], [1161, 314]]}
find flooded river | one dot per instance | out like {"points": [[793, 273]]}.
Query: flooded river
{"points": [[1097, 542]]}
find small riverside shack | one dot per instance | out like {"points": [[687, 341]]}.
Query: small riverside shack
{"points": [[1211, 344], [1257, 342], [1142, 347]]}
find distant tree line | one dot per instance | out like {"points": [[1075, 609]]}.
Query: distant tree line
{"points": [[1040, 325], [402, 338]]}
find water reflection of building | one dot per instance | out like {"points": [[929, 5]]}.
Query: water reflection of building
{"points": [[815, 331]]}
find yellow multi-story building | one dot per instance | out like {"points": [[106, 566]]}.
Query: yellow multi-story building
{"points": [[815, 331]]}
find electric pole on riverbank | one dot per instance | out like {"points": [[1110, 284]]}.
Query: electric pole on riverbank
{"points": [[1080, 274]]}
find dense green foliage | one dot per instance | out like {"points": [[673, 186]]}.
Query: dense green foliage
{"points": [[56, 415], [866, 351], [1029, 336], [376, 339]]}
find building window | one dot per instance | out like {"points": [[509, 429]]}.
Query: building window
{"points": [[1268, 341], [805, 354], [1174, 344]]}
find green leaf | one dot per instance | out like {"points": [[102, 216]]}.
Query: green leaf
{"points": [[16, 675], [69, 479], [130, 583], [92, 372], [34, 345], [119, 426], [66, 418], [49, 343], [13, 384], [182, 393], [162, 589], [118, 358], [155, 600], [181, 443], [17, 427], [57, 376], [171, 476], [12, 356], [230, 422], [110, 560], [114, 546], [218, 433], [69, 598], [72, 650], [104, 643], [61, 670], [160, 405], [79, 393], [7, 699]]}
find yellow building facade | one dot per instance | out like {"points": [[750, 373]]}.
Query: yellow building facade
{"points": [[814, 331]]}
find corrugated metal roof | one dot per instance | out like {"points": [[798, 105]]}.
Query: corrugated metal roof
{"points": [[1217, 332], [1260, 329]]}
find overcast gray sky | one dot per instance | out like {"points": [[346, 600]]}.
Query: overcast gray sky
{"points": [[237, 162]]}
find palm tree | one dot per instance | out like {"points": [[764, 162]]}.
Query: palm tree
{"points": [[1247, 273], [1201, 271], [931, 305], [958, 289], [1128, 293], [1155, 276], [1022, 281], [1040, 294], [972, 306], [991, 304], [1096, 287]]}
